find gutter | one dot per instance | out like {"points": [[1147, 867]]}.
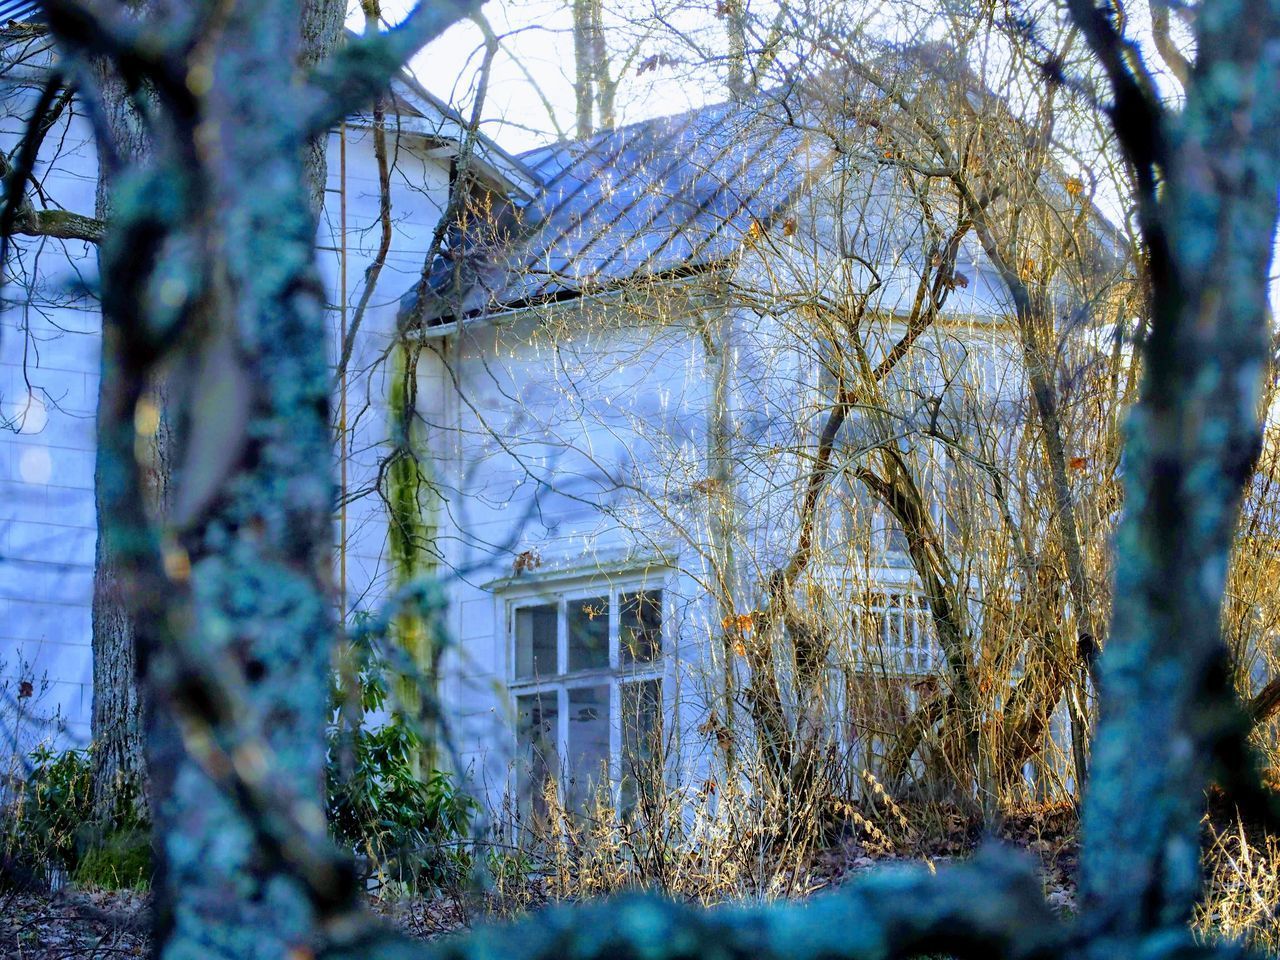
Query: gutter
{"points": [[508, 314]]}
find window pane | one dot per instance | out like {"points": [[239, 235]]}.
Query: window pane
{"points": [[896, 538], [588, 633], [536, 758], [536, 641], [639, 626], [893, 625], [588, 760], [641, 761]]}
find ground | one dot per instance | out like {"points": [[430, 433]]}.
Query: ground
{"points": [[73, 923]]}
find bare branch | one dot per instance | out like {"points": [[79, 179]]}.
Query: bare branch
{"points": [[1174, 59], [15, 178], [60, 225], [357, 73]]}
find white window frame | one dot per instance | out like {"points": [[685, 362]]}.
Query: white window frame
{"points": [[615, 675]]}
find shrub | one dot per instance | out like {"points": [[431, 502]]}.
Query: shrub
{"points": [[409, 828], [412, 828], [44, 825], [50, 828]]}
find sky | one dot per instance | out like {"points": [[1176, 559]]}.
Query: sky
{"points": [[537, 49]]}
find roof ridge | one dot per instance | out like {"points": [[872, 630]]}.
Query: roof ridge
{"points": [[564, 142]]}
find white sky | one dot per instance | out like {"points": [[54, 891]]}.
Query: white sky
{"points": [[536, 34]]}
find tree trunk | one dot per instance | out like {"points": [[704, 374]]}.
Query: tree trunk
{"points": [[735, 28], [1207, 181], [717, 339], [119, 764], [321, 29], [584, 86], [119, 768], [208, 270]]}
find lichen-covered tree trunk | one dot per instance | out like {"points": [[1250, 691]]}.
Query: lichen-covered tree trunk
{"points": [[253, 507], [208, 271], [119, 767], [1208, 179], [411, 533]]}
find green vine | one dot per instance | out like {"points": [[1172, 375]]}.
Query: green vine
{"points": [[411, 506]]}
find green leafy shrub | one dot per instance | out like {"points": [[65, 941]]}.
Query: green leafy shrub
{"points": [[50, 827], [410, 828], [43, 826]]}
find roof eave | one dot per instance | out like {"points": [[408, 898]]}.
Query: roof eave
{"points": [[512, 175]]}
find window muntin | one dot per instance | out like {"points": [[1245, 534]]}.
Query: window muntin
{"points": [[589, 707]]}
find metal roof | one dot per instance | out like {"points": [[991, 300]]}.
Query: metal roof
{"points": [[11, 10], [650, 199]]}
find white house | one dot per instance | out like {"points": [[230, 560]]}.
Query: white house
{"points": [[637, 366], [49, 359], [628, 349]]}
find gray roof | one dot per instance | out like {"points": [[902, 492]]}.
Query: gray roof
{"points": [[11, 10], [651, 199]]}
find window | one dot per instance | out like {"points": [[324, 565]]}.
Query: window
{"points": [[588, 695], [895, 630]]}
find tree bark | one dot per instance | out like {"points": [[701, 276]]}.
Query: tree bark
{"points": [[119, 766], [735, 29], [584, 86], [321, 29], [119, 760], [231, 595], [1207, 182]]}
